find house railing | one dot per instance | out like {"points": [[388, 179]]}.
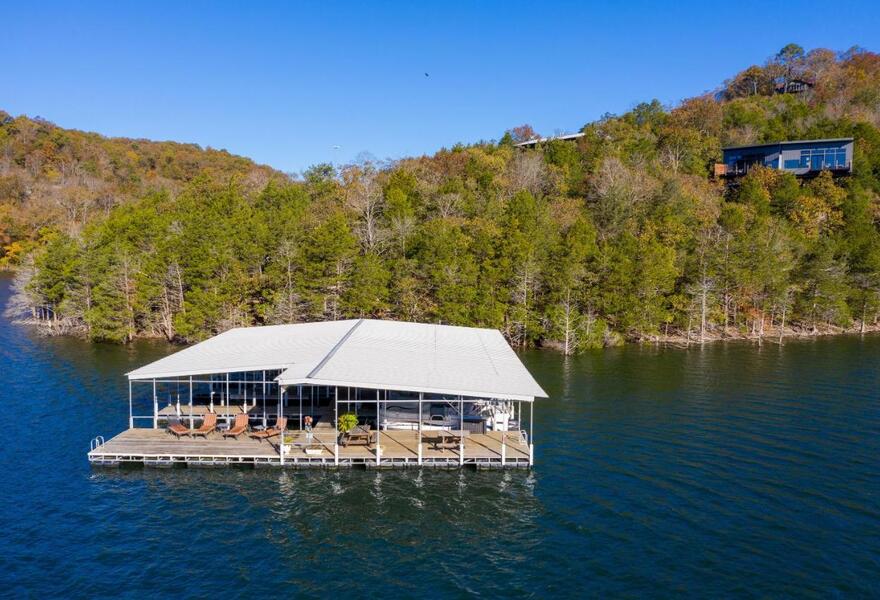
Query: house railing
{"points": [[725, 170]]}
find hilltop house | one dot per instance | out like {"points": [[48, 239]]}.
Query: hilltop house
{"points": [[803, 158], [534, 142]]}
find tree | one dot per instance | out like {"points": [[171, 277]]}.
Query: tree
{"points": [[791, 62], [328, 255], [522, 133], [753, 81], [367, 293], [569, 268]]}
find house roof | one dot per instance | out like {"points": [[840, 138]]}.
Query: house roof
{"points": [[364, 353], [567, 136], [790, 143]]}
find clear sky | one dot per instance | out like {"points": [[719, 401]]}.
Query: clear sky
{"points": [[284, 83]]}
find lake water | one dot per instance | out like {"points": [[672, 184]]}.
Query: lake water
{"points": [[729, 470]]}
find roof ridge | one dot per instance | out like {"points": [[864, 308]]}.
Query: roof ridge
{"points": [[333, 350]]}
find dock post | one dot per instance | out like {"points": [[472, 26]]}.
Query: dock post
{"points": [[532, 432], [460, 432], [130, 409], [421, 397], [227, 404], [191, 402], [378, 430], [155, 407], [280, 414]]}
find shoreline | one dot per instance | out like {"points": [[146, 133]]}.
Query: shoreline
{"points": [[674, 340], [770, 335]]}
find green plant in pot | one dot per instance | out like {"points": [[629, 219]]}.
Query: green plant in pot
{"points": [[347, 422]]}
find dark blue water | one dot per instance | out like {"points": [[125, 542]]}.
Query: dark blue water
{"points": [[731, 471]]}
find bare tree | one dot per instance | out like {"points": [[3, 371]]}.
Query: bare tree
{"points": [[22, 303], [288, 306], [447, 204], [620, 193], [527, 171], [402, 227], [363, 195]]}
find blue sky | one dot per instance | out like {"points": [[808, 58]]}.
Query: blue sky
{"points": [[284, 83]]}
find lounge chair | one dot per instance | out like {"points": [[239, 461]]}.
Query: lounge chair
{"points": [[239, 426], [209, 424], [280, 426], [178, 429]]}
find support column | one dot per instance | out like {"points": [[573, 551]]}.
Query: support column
{"points": [[421, 397], [300, 394], [190, 402], [460, 431], [280, 414], [130, 409], [335, 427], [531, 433], [155, 407], [265, 424], [226, 405], [378, 433]]}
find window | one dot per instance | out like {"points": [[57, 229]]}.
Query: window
{"points": [[792, 163]]}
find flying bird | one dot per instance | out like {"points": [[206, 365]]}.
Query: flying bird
{"points": [[426, 75]]}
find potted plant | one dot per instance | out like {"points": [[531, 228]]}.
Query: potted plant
{"points": [[346, 422]]}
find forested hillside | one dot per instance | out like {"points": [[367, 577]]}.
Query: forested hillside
{"points": [[620, 235], [63, 179]]}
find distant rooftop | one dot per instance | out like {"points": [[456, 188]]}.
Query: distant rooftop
{"points": [[790, 143], [536, 141]]}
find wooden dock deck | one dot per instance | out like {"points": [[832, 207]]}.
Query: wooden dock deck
{"points": [[156, 447]]}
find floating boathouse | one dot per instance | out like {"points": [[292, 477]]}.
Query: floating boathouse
{"points": [[338, 393]]}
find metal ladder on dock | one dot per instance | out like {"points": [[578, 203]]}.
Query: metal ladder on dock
{"points": [[96, 443]]}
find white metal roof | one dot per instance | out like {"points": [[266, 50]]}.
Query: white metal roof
{"points": [[536, 141], [363, 353], [300, 346]]}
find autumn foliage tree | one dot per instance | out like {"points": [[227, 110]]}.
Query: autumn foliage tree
{"points": [[619, 235]]}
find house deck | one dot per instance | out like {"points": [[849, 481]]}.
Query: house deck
{"points": [[156, 447]]}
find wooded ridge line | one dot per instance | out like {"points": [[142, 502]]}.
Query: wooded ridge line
{"points": [[620, 234]]}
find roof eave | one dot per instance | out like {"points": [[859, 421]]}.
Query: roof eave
{"points": [[133, 376], [789, 143], [396, 387]]}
